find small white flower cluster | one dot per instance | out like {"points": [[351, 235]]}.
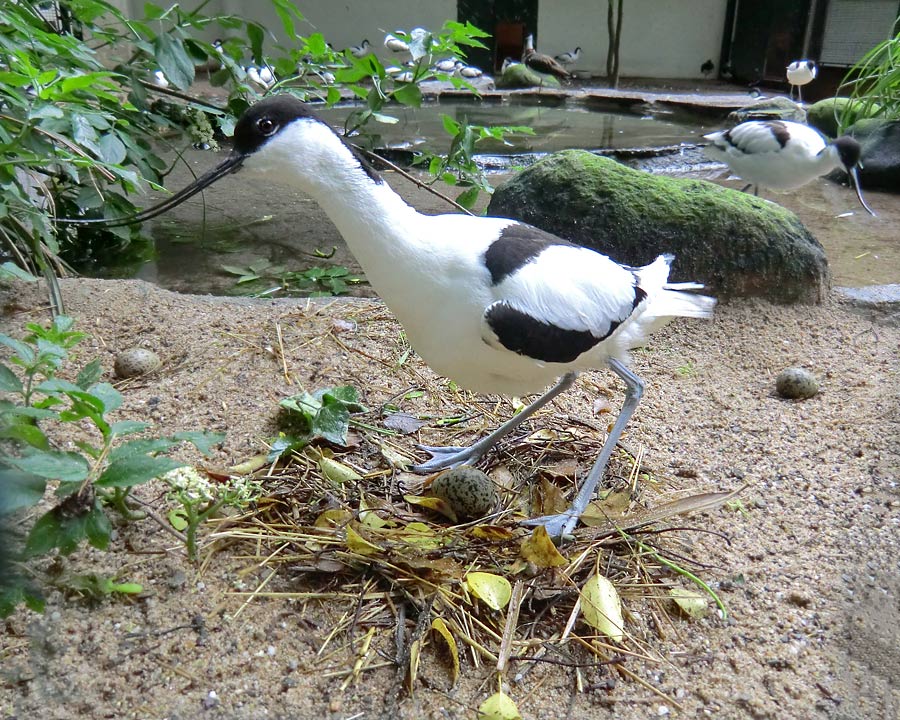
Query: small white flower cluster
{"points": [[190, 484]]}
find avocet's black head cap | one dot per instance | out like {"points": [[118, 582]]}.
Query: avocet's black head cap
{"points": [[849, 151], [265, 119]]}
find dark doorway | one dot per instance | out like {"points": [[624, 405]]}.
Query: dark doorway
{"points": [[508, 22], [768, 35]]}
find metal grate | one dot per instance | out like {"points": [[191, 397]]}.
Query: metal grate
{"points": [[853, 27]]}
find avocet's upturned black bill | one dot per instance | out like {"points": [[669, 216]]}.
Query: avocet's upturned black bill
{"points": [[784, 155], [496, 305]]}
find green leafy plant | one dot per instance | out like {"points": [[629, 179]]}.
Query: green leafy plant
{"points": [[872, 84], [317, 281], [321, 415], [458, 166], [99, 475], [197, 499]]}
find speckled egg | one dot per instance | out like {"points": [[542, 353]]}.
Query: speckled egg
{"points": [[467, 490], [796, 383], [136, 361]]}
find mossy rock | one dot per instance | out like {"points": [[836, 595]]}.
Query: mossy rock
{"points": [[737, 244], [776, 108], [824, 114], [522, 76]]}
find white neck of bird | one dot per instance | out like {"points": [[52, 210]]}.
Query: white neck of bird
{"points": [[377, 224]]}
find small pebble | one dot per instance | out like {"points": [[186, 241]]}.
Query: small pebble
{"points": [[467, 490], [796, 383], [136, 361]]}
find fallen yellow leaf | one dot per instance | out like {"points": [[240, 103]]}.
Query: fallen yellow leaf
{"points": [[499, 706], [440, 627], [539, 549], [494, 590], [356, 543], [602, 607]]}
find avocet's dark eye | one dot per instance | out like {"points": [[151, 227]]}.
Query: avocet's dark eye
{"points": [[266, 126]]}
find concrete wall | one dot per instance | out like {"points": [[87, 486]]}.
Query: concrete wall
{"points": [[660, 38]]}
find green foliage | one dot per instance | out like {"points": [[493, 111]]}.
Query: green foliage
{"points": [[872, 84], [316, 281], [100, 474], [197, 500], [458, 167], [324, 414], [79, 129]]}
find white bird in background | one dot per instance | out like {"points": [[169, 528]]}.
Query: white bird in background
{"points": [[468, 71], [569, 58], [799, 73], [395, 44], [783, 155], [497, 305], [508, 63], [261, 77], [707, 68], [361, 50], [160, 79], [447, 65]]}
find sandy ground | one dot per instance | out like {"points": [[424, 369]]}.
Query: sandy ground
{"points": [[809, 571], [810, 574]]}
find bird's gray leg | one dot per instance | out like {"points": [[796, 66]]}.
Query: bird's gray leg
{"points": [[559, 525], [799, 94], [447, 457]]}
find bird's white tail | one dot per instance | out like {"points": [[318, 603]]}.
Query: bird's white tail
{"points": [[664, 302]]}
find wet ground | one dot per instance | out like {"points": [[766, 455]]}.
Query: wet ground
{"points": [[240, 223]]}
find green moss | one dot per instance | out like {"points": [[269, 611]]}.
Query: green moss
{"points": [[521, 76], [824, 115]]}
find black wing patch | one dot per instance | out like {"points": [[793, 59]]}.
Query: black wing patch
{"points": [[779, 131], [519, 332], [517, 246]]}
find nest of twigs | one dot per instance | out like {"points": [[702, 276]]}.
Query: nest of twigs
{"points": [[399, 575]]}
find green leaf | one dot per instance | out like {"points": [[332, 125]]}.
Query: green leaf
{"points": [[17, 590], [287, 13], [19, 490], [55, 386], [22, 351], [331, 423], [178, 518], [9, 381], [107, 394], [98, 528], [11, 270], [53, 465], [255, 34], [203, 441], [141, 446], [89, 374], [174, 61], [112, 150], [468, 197], [26, 432], [408, 94], [127, 427], [135, 469], [44, 535], [345, 394]]}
